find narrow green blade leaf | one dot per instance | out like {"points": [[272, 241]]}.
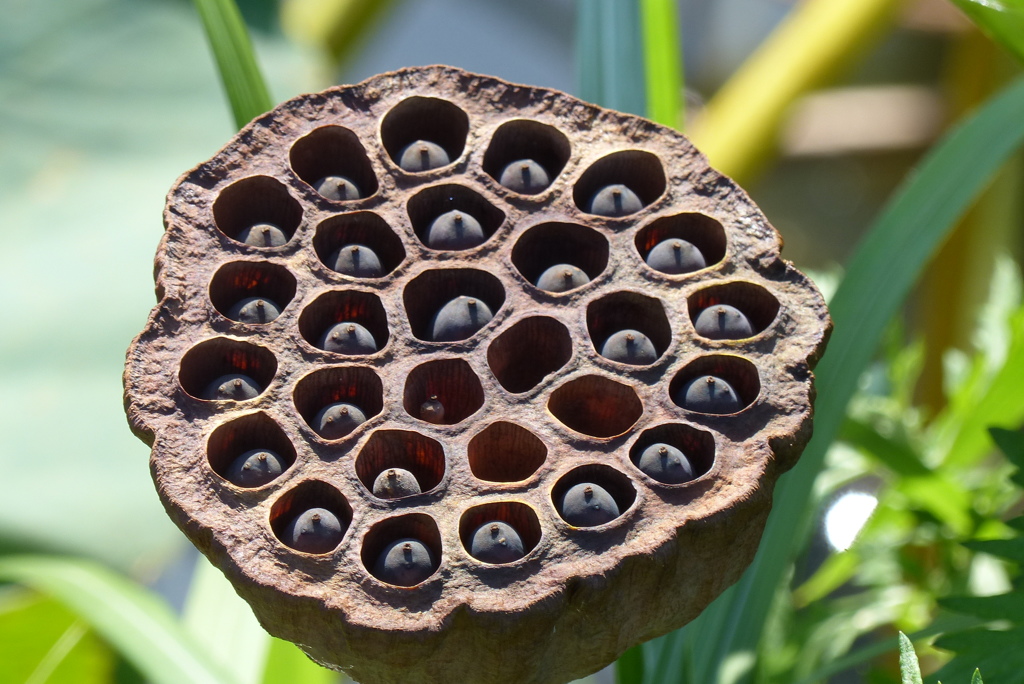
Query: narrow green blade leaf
{"points": [[629, 668], [999, 607], [609, 56], [1010, 549], [885, 266], [910, 670], [663, 62], [1011, 443], [130, 618], [976, 679], [223, 624], [1002, 20], [236, 61]]}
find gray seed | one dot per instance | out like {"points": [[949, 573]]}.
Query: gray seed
{"points": [[254, 310], [674, 256], [337, 189], [423, 155], [405, 562], [236, 387], [588, 505], [562, 278], [255, 468], [665, 463], [614, 201], [262, 235], [496, 542], [314, 531], [630, 346], [455, 230], [349, 338], [358, 261], [723, 322], [525, 176], [395, 483], [460, 318], [334, 421]]}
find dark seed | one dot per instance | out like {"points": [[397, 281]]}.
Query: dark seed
{"points": [[404, 562], [460, 318], [723, 322], [262, 235], [675, 256], [455, 230], [235, 387], [358, 261], [562, 278], [630, 346], [614, 201], [255, 468], [254, 310], [349, 338], [337, 188], [395, 483], [432, 410], [588, 505], [708, 394], [423, 155], [665, 463], [525, 176], [337, 420], [315, 531], [496, 542]]}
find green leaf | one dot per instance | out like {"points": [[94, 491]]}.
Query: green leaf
{"points": [[223, 624], [976, 677], [133, 620], [287, 664], [880, 274], [910, 670], [1010, 549], [1002, 20], [609, 56], [980, 639], [663, 62], [236, 61], [629, 668], [999, 607], [1011, 443]]}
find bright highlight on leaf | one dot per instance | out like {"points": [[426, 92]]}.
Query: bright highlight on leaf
{"points": [[1002, 20], [846, 518]]}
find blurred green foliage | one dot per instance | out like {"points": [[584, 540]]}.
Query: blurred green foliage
{"points": [[90, 143]]}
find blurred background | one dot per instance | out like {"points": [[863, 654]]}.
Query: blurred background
{"points": [[104, 103]]}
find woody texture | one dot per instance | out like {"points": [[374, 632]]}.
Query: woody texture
{"points": [[444, 367]]}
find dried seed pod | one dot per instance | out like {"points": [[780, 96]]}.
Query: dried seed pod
{"points": [[405, 563], [562, 278], [455, 230], [336, 420], [395, 483], [675, 256], [254, 310], [525, 176], [533, 414], [496, 542], [423, 155], [256, 468], [348, 337], [235, 387], [614, 201], [723, 322], [665, 463], [460, 318], [314, 531], [588, 505], [630, 346], [337, 189], [262, 235], [358, 261]]}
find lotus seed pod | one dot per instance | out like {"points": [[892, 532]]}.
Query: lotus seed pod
{"points": [[255, 468], [455, 230], [358, 261], [432, 410], [315, 531], [233, 387], [630, 346], [562, 278], [263, 235], [525, 176], [723, 322], [337, 420], [337, 189], [395, 483], [708, 394], [349, 338], [254, 310], [496, 542], [460, 318], [588, 505], [675, 256], [405, 562], [614, 201], [423, 155], [665, 463]]}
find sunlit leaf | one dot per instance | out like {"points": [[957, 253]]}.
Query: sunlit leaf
{"points": [[663, 62], [286, 664], [1002, 20], [134, 621], [609, 54], [910, 669]]}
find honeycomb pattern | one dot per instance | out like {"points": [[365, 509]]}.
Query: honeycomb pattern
{"points": [[299, 298]]}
